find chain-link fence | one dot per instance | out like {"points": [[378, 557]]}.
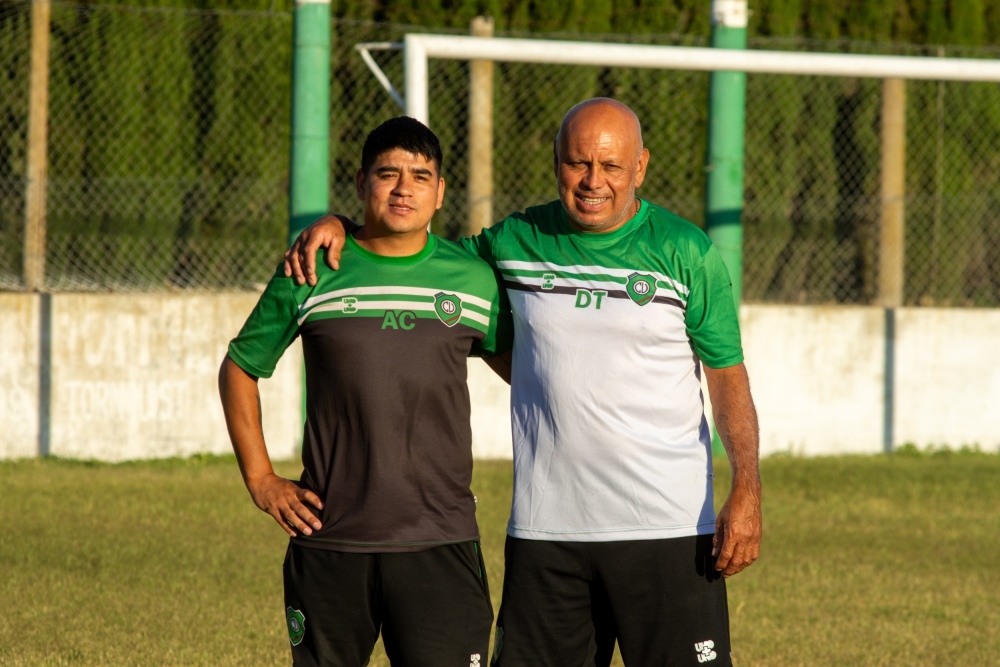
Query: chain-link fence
{"points": [[168, 153], [167, 146]]}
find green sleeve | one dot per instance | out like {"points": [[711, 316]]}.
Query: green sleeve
{"points": [[481, 245], [500, 336], [711, 318], [270, 329]]}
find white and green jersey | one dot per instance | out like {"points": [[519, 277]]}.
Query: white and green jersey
{"points": [[387, 442], [610, 436]]}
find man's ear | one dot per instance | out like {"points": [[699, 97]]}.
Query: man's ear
{"points": [[440, 200], [359, 184], [640, 172]]}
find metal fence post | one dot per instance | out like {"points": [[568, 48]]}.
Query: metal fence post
{"points": [[892, 234], [480, 188], [37, 158], [893, 186]]}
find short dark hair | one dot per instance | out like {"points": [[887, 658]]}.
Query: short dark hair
{"points": [[401, 132]]}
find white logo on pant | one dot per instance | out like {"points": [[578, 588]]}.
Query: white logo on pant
{"points": [[474, 660], [705, 652]]}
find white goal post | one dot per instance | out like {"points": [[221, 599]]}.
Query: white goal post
{"points": [[418, 48]]}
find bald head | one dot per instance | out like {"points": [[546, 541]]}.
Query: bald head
{"points": [[599, 162], [602, 112]]}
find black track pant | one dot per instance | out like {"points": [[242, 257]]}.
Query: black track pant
{"points": [[432, 607], [566, 603]]}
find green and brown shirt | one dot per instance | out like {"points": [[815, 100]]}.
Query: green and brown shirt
{"points": [[387, 443]]}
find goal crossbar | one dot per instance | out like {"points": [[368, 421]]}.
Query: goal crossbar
{"points": [[418, 48]]}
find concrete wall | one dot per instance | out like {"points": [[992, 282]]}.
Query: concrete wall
{"points": [[947, 389], [828, 380], [491, 436], [134, 376], [817, 375], [20, 349]]}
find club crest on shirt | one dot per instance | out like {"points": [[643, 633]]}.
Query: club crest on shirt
{"points": [[448, 308], [641, 288]]}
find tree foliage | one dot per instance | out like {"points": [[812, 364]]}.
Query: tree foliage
{"points": [[187, 113]]}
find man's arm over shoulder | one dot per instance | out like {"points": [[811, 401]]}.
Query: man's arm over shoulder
{"points": [[482, 244], [738, 526], [330, 232], [495, 243]]}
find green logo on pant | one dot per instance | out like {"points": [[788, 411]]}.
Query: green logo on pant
{"points": [[497, 645], [296, 625]]}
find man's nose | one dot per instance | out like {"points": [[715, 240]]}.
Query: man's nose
{"points": [[594, 179], [403, 186]]}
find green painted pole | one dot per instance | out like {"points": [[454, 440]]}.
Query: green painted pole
{"points": [[308, 196], [310, 160], [724, 168], [726, 119]]}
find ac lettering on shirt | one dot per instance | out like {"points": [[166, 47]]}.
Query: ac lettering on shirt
{"points": [[402, 320]]}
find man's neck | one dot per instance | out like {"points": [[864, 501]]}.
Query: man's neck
{"points": [[391, 245]]}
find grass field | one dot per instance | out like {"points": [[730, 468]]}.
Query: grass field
{"points": [[866, 561]]}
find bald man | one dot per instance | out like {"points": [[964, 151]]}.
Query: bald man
{"points": [[619, 306]]}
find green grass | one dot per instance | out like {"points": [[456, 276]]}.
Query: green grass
{"points": [[866, 561]]}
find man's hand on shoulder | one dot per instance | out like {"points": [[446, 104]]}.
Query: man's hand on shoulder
{"points": [[330, 232], [286, 502]]}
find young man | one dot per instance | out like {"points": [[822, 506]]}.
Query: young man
{"points": [[382, 522]]}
